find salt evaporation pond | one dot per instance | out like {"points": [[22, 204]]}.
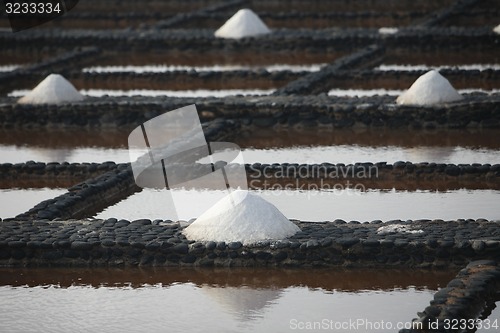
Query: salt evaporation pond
{"points": [[266, 146], [394, 92], [409, 68], [210, 300], [18, 201], [155, 93], [324, 205], [350, 153], [357, 153], [215, 68], [8, 68]]}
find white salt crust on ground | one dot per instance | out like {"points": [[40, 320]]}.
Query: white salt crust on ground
{"points": [[430, 88], [245, 23], [397, 229], [241, 217], [54, 89], [497, 29]]}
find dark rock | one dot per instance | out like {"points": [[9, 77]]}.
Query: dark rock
{"points": [[181, 248], [188, 259], [261, 255], [280, 256], [16, 244], [210, 246], [234, 245], [347, 242], [81, 246]]}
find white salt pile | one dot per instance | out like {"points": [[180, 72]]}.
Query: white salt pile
{"points": [[241, 216], [497, 29], [397, 228], [388, 30], [245, 23], [430, 88], [54, 89]]}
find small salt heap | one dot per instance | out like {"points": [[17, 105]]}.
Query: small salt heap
{"points": [[54, 89], [245, 23], [430, 88], [241, 216], [497, 29]]}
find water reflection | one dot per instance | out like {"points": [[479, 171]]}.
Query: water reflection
{"points": [[327, 205], [18, 201], [243, 302], [349, 280], [201, 300]]}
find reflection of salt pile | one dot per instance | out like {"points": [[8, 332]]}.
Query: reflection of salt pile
{"points": [[247, 303], [54, 89], [243, 217], [430, 88], [244, 23], [497, 29]]}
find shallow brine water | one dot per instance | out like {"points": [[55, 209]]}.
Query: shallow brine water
{"points": [[269, 146], [153, 93], [356, 153], [394, 92], [313, 205], [215, 68], [212, 300], [17, 201]]}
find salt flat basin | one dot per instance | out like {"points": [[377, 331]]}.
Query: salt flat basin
{"points": [[313, 205], [269, 146], [213, 68], [290, 145], [265, 300], [406, 68], [170, 93], [18, 201], [334, 154], [395, 92], [352, 154]]}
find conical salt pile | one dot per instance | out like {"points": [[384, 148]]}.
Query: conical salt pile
{"points": [[54, 89], [244, 23], [241, 216], [430, 88], [497, 29]]}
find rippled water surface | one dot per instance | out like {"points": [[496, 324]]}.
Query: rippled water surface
{"points": [[188, 300]]}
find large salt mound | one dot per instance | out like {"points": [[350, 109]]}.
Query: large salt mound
{"points": [[54, 89], [245, 23], [430, 88], [241, 216], [497, 29]]}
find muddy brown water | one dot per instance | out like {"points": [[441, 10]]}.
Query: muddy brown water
{"points": [[262, 138], [327, 279]]}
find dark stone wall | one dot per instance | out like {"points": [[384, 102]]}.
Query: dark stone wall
{"points": [[476, 111], [465, 303], [144, 242]]}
